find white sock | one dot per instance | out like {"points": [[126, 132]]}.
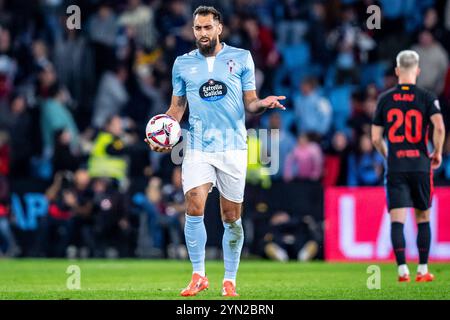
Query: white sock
{"points": [[403, 270], [202, 273], [422, 269], [231, 280]]}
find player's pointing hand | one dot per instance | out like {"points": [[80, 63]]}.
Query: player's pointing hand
{"points": [[272, 102]]}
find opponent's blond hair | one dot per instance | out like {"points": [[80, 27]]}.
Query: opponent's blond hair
{"points": [[407, 59]]}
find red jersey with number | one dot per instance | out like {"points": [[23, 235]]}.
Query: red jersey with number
{"points": [[405, 111]]}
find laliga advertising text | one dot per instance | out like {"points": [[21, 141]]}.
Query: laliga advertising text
{"points": [[269, 155], [381, 248]]}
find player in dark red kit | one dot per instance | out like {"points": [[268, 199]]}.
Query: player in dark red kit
{"points": [[404, 115]]}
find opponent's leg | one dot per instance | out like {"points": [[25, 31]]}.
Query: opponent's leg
{"points": [[195, 234], [398, 218], [423, 244], [232, 242]]}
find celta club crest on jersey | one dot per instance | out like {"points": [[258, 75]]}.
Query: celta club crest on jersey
{"points": [[212, 90], [231, 65]]}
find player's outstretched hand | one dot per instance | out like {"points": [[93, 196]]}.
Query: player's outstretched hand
{"points": [[272, 102], [436, 160], [156, 148]]}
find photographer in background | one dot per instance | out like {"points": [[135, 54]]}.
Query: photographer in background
{"points": [[114, 231], [7, 242], [175, 207], [291, 237], [81, 234], [54, 227], [163, 206]]}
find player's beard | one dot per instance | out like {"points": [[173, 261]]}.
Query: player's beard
{"points": [[207, 49]]}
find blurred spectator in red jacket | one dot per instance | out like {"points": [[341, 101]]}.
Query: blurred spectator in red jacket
{"points": [[261, 43]]}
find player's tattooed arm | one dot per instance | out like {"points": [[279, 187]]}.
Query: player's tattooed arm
{"points": [[255, 105], [177, 107], [378, 141]]}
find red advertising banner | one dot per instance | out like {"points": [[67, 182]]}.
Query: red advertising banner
{"points": [[357, 226]]}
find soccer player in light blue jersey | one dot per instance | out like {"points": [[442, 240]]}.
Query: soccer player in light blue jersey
{"points": [[218, 82]]}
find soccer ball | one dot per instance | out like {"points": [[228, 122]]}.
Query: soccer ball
{"points": [[163, 131]]}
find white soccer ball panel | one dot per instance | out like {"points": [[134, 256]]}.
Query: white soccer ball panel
{"points": [[163, 131]]}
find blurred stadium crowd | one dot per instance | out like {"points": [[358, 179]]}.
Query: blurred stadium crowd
{"points": [[74, 105]]}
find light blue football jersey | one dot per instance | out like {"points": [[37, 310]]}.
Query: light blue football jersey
{"points": [[214, 89]]}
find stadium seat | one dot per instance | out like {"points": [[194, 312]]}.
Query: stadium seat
{"points": [[287, 119], [330, 76], [373, 73], [295, 55], [340, 101], [290, 32]]}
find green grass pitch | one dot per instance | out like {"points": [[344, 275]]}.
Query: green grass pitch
{"points": [[257, 280]]}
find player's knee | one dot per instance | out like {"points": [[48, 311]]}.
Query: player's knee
{"points": [[423, 216], [194, 205], [230, 216], [195, 209]]}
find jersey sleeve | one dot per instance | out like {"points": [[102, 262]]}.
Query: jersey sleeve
{"points": [[178, 84], [248, 74], [433, 105], [378, 118]]}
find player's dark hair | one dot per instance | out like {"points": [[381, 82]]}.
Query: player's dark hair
{"points": [[205, 10]]}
